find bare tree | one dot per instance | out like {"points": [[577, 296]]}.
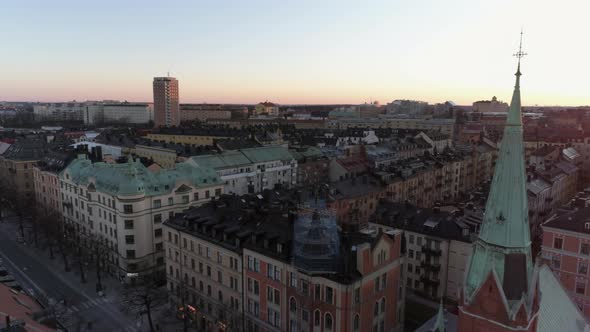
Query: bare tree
{"points": [[51, 228], [143, 296], [99, 252]]}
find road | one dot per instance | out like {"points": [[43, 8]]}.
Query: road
{"points": [[82, 307]]}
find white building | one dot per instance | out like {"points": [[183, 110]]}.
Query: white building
{"points": [[69, 111], [252, 170], [122, 206]]}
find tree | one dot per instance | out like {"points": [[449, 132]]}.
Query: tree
{"points": [[143, 296], [51, 228], [99, 251]]}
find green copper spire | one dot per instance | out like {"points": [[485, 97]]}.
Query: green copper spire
{"points": [[505, 228]]}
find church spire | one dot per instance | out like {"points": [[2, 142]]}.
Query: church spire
{"points": [[504, 233]]}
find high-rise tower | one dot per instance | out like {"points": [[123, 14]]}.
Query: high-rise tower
{"points": [[166, 112], [501, 285]]}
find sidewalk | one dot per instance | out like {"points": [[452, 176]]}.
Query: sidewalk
{"points": [[112, 288]]}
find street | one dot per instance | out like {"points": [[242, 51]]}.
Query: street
{"points": [[82, 309]]}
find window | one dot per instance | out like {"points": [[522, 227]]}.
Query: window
{"points": [[292, 305], [129, 239], [253, 264], [356, 323], [419, 240], [127, 208], [195, 196], [357, 295], [329, 295], [170, 201], [208, 252], [583, 268], [273, 272], [585, 248], [219, 257], [128, 224], [304, 287], [384, 280], [376, 309], [304, 315], [220, 277], [157, 204], [130, 253], [558, 243], [208, 271], [185, 199], [556, 262], [207, 194], [293, 280], [209, 290], [382, 305], [411, 253], [580, 287], [376, 285], [316, 318], [411, 239], [157, 218], [328, 322], [158, 232], [317, 292]]}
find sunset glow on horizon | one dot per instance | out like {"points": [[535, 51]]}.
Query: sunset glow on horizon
{"points": [[331, 52]]}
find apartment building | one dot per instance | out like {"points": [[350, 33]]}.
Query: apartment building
{"points": [[46, 180], [313, 166], [203, 112], [566, 249], [252, 170], [354, 200], [196, 136], [267, 108], [296, 273], [166, 96], [123, 205], [438, 246], [16, 167], [68, 111]]}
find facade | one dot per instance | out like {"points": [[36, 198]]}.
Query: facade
{"points": [[312, 166], [166, 107], [438, 247], [281, 283], [203, 112], [445, 126], [252, 170], [490, 106], [196, 136], [166, 158], [46, 181], [124, 205]]}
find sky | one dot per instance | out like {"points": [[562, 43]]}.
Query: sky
{"points": [[295, 52]]}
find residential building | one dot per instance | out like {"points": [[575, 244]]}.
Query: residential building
{"points": [[20, 312], [354, 201], [409, 107], [166, 108], [128, 113], [313, 167], [203, 112], [164, 157], [196, 136], [68, 111], [16, 167], [252, 170], [267, 108], [123, 205], [297, 272], [46, 180], [445, 126], [438, 246], [490, 106], [566, 249]]}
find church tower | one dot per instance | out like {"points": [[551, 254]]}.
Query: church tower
{"points": [[501, 285]]}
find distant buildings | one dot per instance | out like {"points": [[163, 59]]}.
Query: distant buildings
{"points": [[409, 107], [252, 170], [16, 167], [166, 107], [490, 106], [267, 108], [204, 112]]}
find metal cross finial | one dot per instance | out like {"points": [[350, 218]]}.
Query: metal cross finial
{"points": [[520, 53]]}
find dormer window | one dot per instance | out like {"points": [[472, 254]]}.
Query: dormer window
{"points": [[279, 248]]}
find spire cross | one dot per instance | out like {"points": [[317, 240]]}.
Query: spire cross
{"points": [[520, 54]]}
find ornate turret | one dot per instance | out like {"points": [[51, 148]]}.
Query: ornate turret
{"points": [[500, 286]]}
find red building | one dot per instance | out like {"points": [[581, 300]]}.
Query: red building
{"points": [[566, 248]]}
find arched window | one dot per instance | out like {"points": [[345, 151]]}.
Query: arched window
{"points": [[382, 305], [316, 318], [292, 305], [328, 322], [209, 290], [356, 323], [376, 309]]}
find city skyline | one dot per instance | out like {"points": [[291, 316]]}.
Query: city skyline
{"points": [[333, 53]]}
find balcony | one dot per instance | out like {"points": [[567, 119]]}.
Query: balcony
{"points": [[434, 267], [431, 251], [429, 281]]}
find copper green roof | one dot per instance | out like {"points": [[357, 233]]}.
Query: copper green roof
{"points": [[505, 228], [229, 159], [133, 178]]}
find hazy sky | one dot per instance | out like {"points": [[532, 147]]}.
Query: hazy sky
{"points": [[295, 51]]}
